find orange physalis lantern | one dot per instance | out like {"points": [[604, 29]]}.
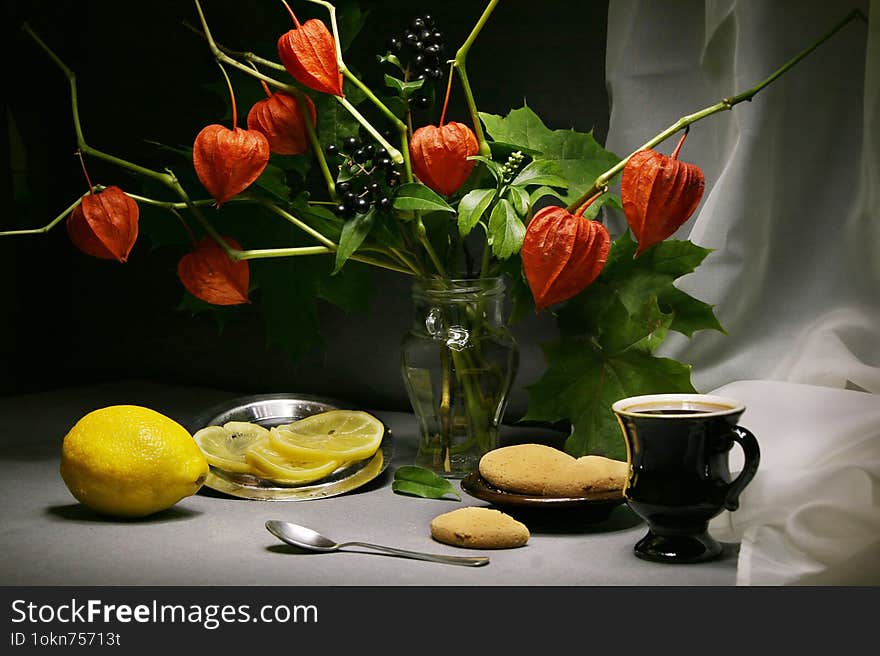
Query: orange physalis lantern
{"points": [[105, 224], [280, 119], [659, 193], [562, 253], [208, 274], [308, 52], [440, 156], [228, 161]]}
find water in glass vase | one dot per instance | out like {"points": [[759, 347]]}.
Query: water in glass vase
{"points": [[458, 363]]}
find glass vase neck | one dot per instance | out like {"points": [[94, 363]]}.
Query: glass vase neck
{"points": [[457, 289]]}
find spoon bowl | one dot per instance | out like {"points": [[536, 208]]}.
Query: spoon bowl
{"points": [[305, 538], [300, 536]]}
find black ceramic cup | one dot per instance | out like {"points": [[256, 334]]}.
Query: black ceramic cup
{"points": [[677, 448]]}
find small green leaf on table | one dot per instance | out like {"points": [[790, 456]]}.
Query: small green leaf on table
{"points": [[420, 482]]}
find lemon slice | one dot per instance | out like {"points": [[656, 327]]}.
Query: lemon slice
{"points": [[269, 463], [341, 435], [225, 446]]}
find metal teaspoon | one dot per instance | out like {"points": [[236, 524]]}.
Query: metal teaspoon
{"points": [[306, 538]]}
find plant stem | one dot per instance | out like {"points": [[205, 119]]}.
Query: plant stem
{"points": [[46, 228], [317, 149], [393, 153], [81, 142], [249, 57], [221, 56], [174, 183], [448, 93], [486, 259], [407, 261], [329, 243], [461, 67], [85, 171], [381, 264], [422, 236], [445, 411], [180, 205], [167, 178], [402, 129], [724, 105], [264, 253], [382, 107], [231, 96], [282, 252]]}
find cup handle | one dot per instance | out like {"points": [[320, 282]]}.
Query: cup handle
{"points": [[752, 457]]}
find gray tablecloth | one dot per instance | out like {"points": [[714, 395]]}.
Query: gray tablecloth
{"points": [[47, 538]]}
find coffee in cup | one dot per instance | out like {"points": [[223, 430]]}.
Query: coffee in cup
{"points": [[677, 449]]}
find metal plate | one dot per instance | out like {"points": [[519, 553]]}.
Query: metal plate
{"points": [[273, 410]]}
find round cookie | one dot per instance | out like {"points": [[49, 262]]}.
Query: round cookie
{"points": [[479, 528], [525, 468]]}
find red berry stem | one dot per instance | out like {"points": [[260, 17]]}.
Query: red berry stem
{"points": [[185, 225], [680, 142], [231, 96], [590, 201], [448, 92], [85, 172], [292, 15]]}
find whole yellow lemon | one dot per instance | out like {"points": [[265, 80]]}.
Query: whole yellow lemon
{"points": [[130, 461]]}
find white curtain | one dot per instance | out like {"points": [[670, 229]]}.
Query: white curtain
{"points": [[792, 201], [792, 211]]}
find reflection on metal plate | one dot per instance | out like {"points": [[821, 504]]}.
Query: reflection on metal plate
{"points": [[273, 410]]}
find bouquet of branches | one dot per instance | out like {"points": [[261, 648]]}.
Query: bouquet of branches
{"points": [[329, 174]]}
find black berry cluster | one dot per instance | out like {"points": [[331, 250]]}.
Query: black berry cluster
{"points": [[421, 51], [366, 176]]}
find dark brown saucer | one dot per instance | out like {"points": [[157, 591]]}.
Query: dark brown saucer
{"points": [[591, 508]]}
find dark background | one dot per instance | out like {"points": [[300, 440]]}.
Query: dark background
{"points": [[70, 319]]}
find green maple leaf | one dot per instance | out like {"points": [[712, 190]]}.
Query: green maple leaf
{"points": [[289, 290], [583, 380], [635, 279], [578, 155], [608, 334], [195, 306], [287, 295]]}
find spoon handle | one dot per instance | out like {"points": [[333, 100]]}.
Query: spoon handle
{"points": [[436, 558]]}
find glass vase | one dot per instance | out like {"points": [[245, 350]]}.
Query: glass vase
{"points": [[458, 363]]}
